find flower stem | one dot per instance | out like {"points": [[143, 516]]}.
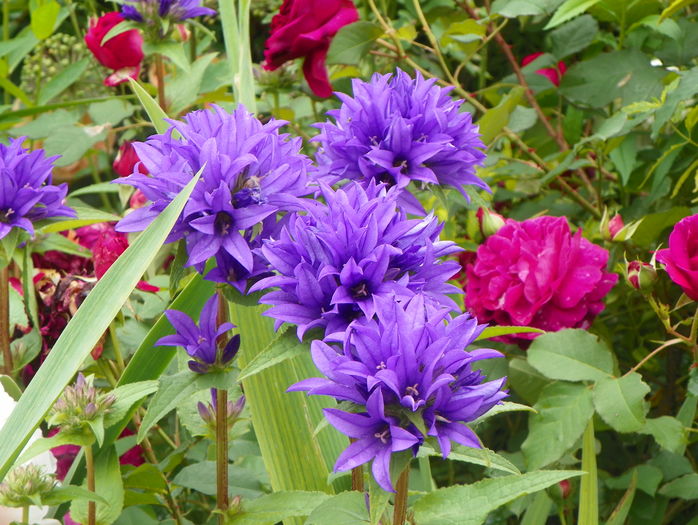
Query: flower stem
{"points": [[400, 510], [25, 514], [357, 479], [160, 75], [5, 319], [221, 453], [90, 468]]}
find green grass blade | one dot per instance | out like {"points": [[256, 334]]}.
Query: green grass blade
{"points": [[284, 422], [155, 113], [237, 48], [589, 490], [84, 330]]}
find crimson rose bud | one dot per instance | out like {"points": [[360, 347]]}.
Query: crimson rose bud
{"points": [[641, 275], [123, 53], [126, 161], [681, 257], [305, 28], [554, 74]]}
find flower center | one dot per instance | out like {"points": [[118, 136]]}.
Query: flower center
{"points": [[360, 291], [383, 436], [223, 223], [401, 163], [412, 390], [5, 216]]}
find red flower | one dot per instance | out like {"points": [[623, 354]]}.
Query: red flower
{"points": [[123, 53], [305, 28], [554, 74], [681, 257], [126, 161]]}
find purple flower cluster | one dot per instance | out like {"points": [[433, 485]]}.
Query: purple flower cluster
{"points": [[411, 379], [171, 10], [26, 192], [335, 261], [201, 342], [250, 172], [396, 130]]}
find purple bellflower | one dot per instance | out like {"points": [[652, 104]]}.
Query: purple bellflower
{"points": [[396, 130], [26, 192], [171, 10], [250, 172], [201, 342], [338, 258], [411, 364]]}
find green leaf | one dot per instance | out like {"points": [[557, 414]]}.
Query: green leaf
{"points": [[347, 508], [514, 8], [147, 477], [69, 493], [85, 217], [506, 406], [43, 19], [155, 113], [352, 42], [475, 456], [148, 362], [620, 513], [496, 331], [183, 90], [378, 499], [237, 46], [201, 477], [667, 431], [620, 402], [589, 486], [496, 118], [574, 36], [126, 396], [110, 111], [45, 444], [569, 9], [108, 485], [675, 6], [654, 224], [470, 504], [116, 30], [648, 479], [571, 355], [685, 487], [175, 388], [537, 512], [526, 380], [84, 330], [277, 507], [625, 158], [563, 411], [62, 81]]}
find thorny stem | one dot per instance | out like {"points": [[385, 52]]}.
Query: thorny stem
{"points": [[221, 453], [160, 75], [400, 510], [652, 354], [5, 319], [90, 469]]}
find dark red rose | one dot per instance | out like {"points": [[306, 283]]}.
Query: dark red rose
{"points": [[123, 53], [554, 74], [305, 28], [126, 161]]}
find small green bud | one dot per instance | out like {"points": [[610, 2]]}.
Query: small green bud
{"points": [[25, 485]]}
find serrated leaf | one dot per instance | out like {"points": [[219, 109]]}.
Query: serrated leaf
{"points": [[283, 347], [571, 355], [563, 410], [173, 389], [685, 487], [347, 508], [620, 402], [667, 431], [569, 9], [470, 504]]}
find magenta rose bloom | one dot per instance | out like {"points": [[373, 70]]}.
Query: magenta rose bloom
{"points": [[123, 53], [305, 28], [681, 257], [536, 273]]}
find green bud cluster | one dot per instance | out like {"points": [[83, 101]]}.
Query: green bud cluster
{"points": [[78, 405], [207, 412], [50, 57], [25, 485]]}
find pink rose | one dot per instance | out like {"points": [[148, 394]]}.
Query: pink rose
{"points": [[554, 74], [305, 28], [123, 53], [681, 257], [536, 273]]}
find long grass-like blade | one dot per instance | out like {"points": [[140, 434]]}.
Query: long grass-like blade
{"points": [[84, 330]]}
